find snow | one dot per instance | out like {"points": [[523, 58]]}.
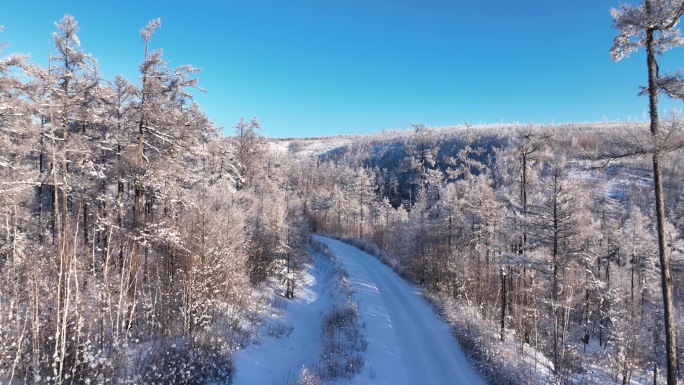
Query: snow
{"points": [[310, 147], [407, 343], [277, 360]]}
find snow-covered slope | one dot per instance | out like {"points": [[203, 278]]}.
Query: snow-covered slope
{"points": [[308, 147], [407, 343]]}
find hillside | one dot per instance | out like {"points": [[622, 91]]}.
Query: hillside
{"points": [[543, 229]]}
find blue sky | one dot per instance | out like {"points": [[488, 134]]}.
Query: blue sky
{"points": [[323, 67]]}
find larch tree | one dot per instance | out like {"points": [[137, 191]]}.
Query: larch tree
{"points": [[517, 174], [363, 192], [14, 118], [72, 78], [16, 180], [422, 153], [169, 126], [528, 147], [556, 220], [653, 25], [250, 149]]}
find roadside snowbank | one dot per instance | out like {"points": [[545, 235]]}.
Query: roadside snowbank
{"points": [[289, 337]]}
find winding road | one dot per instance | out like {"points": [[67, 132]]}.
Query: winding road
{"points": [[407, 343]]}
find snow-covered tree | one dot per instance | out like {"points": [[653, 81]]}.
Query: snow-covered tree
{"points": [[653, 25], [250, 149]]}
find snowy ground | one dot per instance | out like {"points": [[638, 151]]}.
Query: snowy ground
{"points": [[290, 337], [407, 343]]}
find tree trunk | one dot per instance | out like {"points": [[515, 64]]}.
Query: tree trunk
{"points": [[503, 304], [85, 223], [665, 273], [523, 194], [666, 277]]}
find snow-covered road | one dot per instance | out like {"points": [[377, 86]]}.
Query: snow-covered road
{"points": [[407, 343]]}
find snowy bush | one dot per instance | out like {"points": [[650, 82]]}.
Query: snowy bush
{"points": [[343, 342], [198, 361], [280, 329], [308, 377]]}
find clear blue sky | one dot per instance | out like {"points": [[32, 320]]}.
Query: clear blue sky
{"points": [[322, 67]]}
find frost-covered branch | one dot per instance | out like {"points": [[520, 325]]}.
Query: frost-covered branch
{"points": [[633, 23]]}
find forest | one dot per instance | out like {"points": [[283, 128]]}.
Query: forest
{"points": [[136, 237], [133, 235]]}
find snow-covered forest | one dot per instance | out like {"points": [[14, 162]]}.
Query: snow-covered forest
{"points": [[137, 241], [522, 238], [133, 235]]}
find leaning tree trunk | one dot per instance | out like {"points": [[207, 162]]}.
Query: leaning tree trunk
{"points": [[665, 273]]}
